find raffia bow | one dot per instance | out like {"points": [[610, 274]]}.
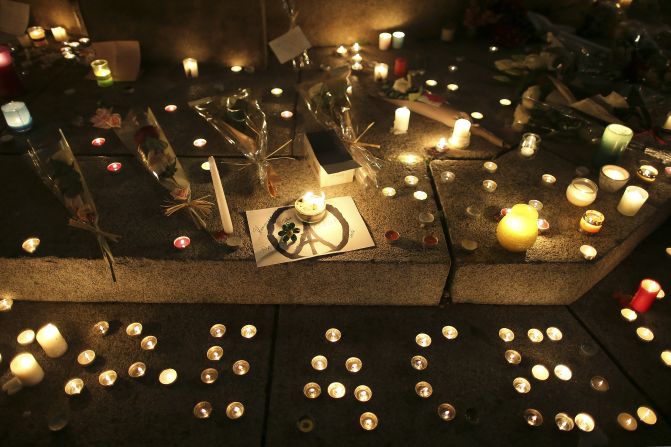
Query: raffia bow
{"points": [[102, 237], [356, 142], [198, 208]]}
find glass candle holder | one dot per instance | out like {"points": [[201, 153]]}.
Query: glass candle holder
{"points": [[581, 192], [647, 173], [554, 334], [336, 390], [311, 208], [101, 327], [397, 39], [615, 139], [612, 178], [591, 222], [533, 417], [149, 343], [17, 116], [521, 385], [74, 386], [312, 390], [599, 383], [540, 372], [450, 332], [248, 331], [529, 145], [85, 358], [134, 329], [59, 33], [446, 412], [167, 376], [646, 415], [333, 335], [506, 334], [563, 372], [137, 370], [632, 200], [37, 35], [102, 73]]}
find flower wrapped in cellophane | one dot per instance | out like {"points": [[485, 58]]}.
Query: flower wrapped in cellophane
{"points": [[57, 167], [239, 119], [328, 100], [141, 134]]}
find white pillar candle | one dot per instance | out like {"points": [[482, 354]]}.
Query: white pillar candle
{"points": [[190, 67], [397, 39], [384, 41], [632, 200], [25, 367], [581, 192], [17, 116], [51, 340], [461, 134], [59, 33], [667, 123], [224, 213], [381, 72], [401, 120]]}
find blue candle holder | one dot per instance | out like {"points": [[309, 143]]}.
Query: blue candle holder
{"points": [[17, 116]]}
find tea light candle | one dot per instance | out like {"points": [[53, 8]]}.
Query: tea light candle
{"points": [[506, 334], [333, 335], [411, 180], [276, 92], [645, 334], [167, 376], [17, 116], [628, 314], [25, 337], [286, 114], [420, 195], [97, 142], [85, 358], [248, 331], [490, 167], [137, 370], [446, 412], [564, 422], [380, 72], [107, 378], [529, 145], [477, 115], [37, 35], [543, 225], [647, 173], [236, 68], [102, 72], [240, 367], [431, 82], [461, 134], [518, 229], [74, 387], [540, 372], [205, 166], [363, 393], [666, 357], [423, 389], [311, 208], [591, 222], [388, 192], [59, 33], [134, 329], [215, 353], [149, 343], [336, 390], [489, 185], [600, 384], [646, 415], [181, 242], [536, 204], [25, 367], [452, 68], [101, 327], [202, 410], [51, 340], [312, 390], [199, 142], [190, 67], [615, 139], [368, 421], [423, 340], [353, 364], [209, 376], [505, 102], [419, 362], [217, 330], [535, 335], [447, 176], [563, 372], [356, 47], [401, 120], [341, 51], [533, 417], [453, 87], [384, 41], [357, 66], [554, 334], [627, 421], [469, 245], [645, 295], [548, 180], [319, 362], [632, 200], [170, 108], [357, 58], [588, 252], [114, 167], [397, 39], [581, 192], [513, 357], [400, 67], [450, 332], [6, 304], [521, 385], [584, 421], [235, 410]]}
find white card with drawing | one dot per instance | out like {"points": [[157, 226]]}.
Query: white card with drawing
{"points": [[289, 45]]}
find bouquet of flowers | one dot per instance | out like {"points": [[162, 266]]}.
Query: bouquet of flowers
{"points": [[141, 133], [239, 119], [327, 98], [58, 169]]}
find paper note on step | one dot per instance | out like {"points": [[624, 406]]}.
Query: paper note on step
{"points": [[290, 45], [14, 17]]}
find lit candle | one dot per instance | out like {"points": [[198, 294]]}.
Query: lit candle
{"points": [[209, 376], [202, 410], [628, 314], [535, 335], [17, 116], [584, 421], [518, 230], [37, 35], [646, 415], [170, 108], [461, 134], [564, 422], [450, 332], [356, 66], [368, 421], [411, 180], [311, 208], [134, 329], [420, 195], [554, 333], [615, 139], [25, 367], [181, 242], [286, 114], [533, 417], [357, 58], [236, 69], [10, 85], [341, 51], [240, 367], [222, 204], [447, 176], [401, 120], [59, 33], [505, 102], [513, 357], [51, 340], [217, 330], [647, 173], [477, 115], [381, 71], [397, 39], [588, 252], [102, 72], [441, 145], [645, 295], [591, 222], [409, 159], [423, 340], [336, 390], [453, 87], [215, 353], [529, 145], [107, 378], [363, 393], [149, 343], [667, 123], [199, 142], [353, 364], [506, 334], [248, 331], [25, 337], [563, 372], [114, 167], [356, 47], [101, 327], [612, 178], [319, 362], [540, 372], [521, 385], [276, 92], [6, 304], [74, 386], [419, 362], [581, 192], [167, 376], [490, 167], [384, 41], [312, 390], [632, 200], [627, 421], [666, 357], [190, 67], [431, 82], [400, 67], [333, 335], [137, 370], [599, 383], [423, 389], [388, 192]]}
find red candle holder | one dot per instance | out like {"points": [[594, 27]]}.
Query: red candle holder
{"points": [[392, 236], [182, 242], [400, 67], [170, 108], [97, 142], [10, 85], [645, 295], [114, 167], [430, 241]]}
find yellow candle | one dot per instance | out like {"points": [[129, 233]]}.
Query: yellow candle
{"points": [[518, 230], [25, 367], [51, 340], [591, 222]]}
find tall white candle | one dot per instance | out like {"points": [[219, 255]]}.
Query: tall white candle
{"points": [[51, 340], [381, 72], [397, 39], [461, 134], [401, 120], [25, 367], [59, 33], [384, 41], [632, 200], [190, 67], [224, 214]]}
